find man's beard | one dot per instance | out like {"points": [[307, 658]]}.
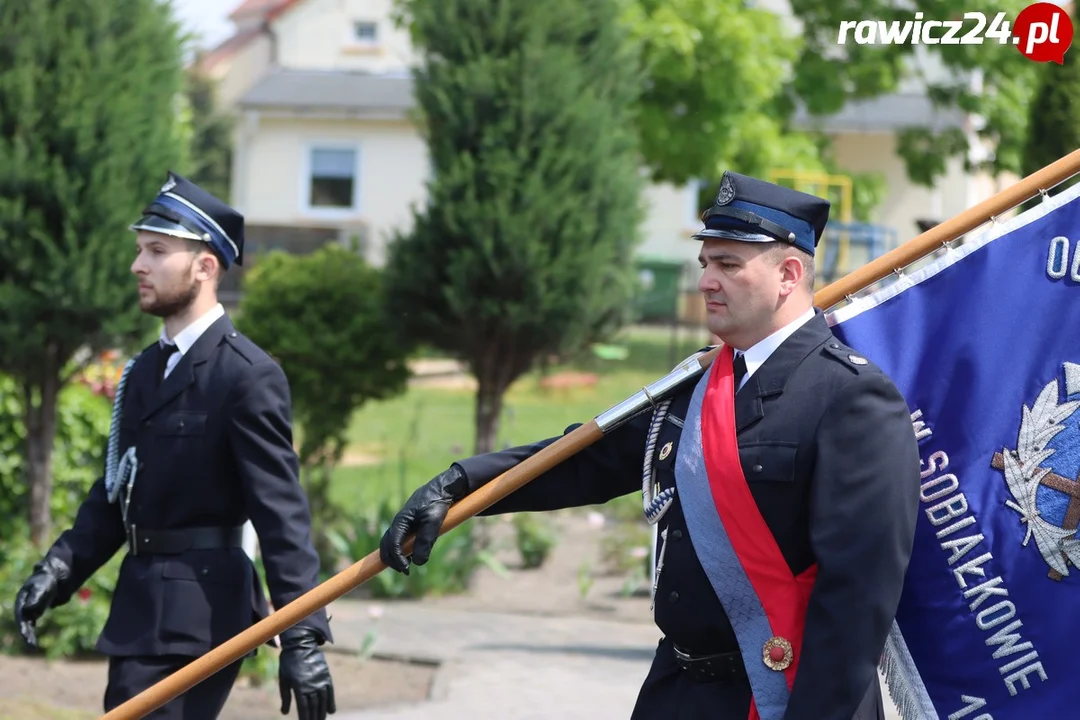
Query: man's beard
{"points": [[175, 303]]}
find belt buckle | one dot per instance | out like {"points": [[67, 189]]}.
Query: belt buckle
{"points": [[680, 654]]}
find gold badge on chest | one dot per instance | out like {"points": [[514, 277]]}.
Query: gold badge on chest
{"points": [[777, 653], [666, 450]]}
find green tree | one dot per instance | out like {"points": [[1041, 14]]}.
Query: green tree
{"points": [[1054, 115], [209, 162], [321, 316], [524, 245], [724, 78], [990, 80], [718, 96], [715, 71], [87, 131]]}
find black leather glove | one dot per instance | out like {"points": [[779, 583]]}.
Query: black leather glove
{"points": [[423, 514], [38, 594], [302, 670]]}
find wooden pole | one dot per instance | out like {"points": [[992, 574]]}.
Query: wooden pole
{"points": [[567, 446]]}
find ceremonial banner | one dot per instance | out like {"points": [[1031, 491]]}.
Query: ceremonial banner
{"points": [[984, 343]]}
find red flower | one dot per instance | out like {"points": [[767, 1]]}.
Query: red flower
{"points": [[84, 594]]}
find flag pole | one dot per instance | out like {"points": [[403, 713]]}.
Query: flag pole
{"points": [[951, 230], [573, 442]]}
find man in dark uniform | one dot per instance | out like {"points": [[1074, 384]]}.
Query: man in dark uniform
{"points": [[784, 484], [201, 442]]}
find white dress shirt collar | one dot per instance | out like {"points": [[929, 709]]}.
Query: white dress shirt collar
{"points": [[757, 354], [187, 337]]}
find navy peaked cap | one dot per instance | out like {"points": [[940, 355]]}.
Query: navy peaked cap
{"points": [[754, 210], [183, 209]]}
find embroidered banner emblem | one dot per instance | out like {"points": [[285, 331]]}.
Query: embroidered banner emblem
{"points": [[1047, 498]]}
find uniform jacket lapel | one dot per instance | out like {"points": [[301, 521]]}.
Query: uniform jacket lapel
{"points": [[183, 375], [770, 378]]}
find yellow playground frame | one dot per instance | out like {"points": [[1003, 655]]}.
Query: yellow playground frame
{"points": [[820, 184]]}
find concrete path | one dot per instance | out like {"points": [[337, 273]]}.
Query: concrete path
{"points": [[506, 666]]}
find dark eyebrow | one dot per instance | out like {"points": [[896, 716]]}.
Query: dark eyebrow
{"points": [[720, 256]]}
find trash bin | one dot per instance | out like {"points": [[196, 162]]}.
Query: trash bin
{"points": [[657, 297]]}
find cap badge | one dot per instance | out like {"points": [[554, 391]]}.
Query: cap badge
{"points": [[169, 185], [727, 192]]}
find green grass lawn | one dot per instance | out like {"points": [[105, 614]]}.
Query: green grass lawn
{"points": [[418, 434]]}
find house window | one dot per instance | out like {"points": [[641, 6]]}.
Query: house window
{"points": [[365, 32], [333, 178]]}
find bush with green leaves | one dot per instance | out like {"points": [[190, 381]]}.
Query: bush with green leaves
{"points": [[454, 557], [81, 439], [321, 316], [536, 537]]}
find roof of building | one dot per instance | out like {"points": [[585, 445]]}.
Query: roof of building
{"points": [[332, 91], [265, 10], [260, 7], [366, 94], [884, 114], [206, 60]]}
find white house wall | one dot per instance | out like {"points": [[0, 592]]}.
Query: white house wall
{"points": [[392, 166], [669, 219], [904, 202], [318, 35]]}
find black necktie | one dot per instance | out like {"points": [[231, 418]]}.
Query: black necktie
{"points": [[163, 359], [740, 369]]}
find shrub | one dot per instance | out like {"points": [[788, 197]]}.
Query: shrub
{"points": [[321, 317], [78, 460], [535, 537], [454, 558]]}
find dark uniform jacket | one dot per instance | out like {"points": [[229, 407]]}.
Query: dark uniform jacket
{"points": [[829, 453], [214, 448]]}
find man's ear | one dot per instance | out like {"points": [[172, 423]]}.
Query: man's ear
{"points": [[791, 274], [207, 266]]}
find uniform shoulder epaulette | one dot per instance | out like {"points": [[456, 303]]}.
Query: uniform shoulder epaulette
{"points": [[847, 357], [246, 348], [242, 345]]}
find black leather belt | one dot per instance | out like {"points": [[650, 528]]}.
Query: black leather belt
{"points": [[174, 542], [707, 668]]}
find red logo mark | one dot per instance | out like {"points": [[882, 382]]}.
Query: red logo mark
{"points": [[1043, 32]]}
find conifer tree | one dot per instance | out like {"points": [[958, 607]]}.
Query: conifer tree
{"points": [[88, 129], [525, 245]]}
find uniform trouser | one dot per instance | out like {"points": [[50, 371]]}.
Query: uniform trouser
{"points": [[129, 676], [668, 693]]}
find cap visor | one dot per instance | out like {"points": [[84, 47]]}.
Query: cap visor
{"points": [[731, 234], [158, 224]]}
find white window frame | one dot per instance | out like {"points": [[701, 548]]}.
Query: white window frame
{"points": [[305, 179], [357, 42]]}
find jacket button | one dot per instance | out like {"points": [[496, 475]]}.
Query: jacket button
{"points": [[206, 571], [673, 597], [757, 468], [676, 535]]}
